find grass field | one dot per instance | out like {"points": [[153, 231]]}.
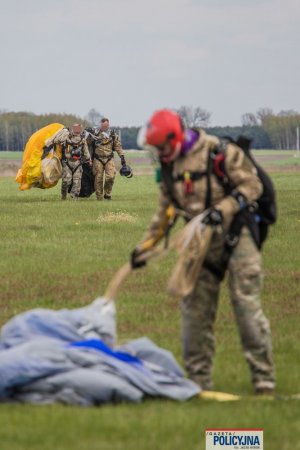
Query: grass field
{"points": [[62, 254], [271, 158]]}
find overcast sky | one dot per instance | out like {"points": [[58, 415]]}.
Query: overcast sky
{"points": [[127, 58]]}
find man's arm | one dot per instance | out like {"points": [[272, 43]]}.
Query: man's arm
{"points": [[117, 146], [86, 152], [162, 220], [242, 175], [58, 138]]}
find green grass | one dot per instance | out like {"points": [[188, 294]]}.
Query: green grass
{"points": [[18, 155], [10, 155], [292, 161], [273, 152], [62, 254]]}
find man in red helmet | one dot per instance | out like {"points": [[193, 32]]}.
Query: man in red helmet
{"points": [[199, 172]]}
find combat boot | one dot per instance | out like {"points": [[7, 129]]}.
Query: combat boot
{"points": [[264, 388], [264, 391], [107, 197], [205, 383]]}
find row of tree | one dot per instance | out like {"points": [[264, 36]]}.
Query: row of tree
{"points": [[17, 127], [281, 128], [265, 128]]}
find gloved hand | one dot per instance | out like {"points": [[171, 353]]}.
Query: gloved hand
{"points": [[123, 162], [214, 217], [135, 264], [240, 198]]}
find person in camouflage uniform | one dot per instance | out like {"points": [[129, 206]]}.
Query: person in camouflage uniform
{"points": [[74, 153], [105, 141], [190, 185]]}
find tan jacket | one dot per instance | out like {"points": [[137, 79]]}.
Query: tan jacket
{"points": [[104, 145], [65, 138], [239, 169]]}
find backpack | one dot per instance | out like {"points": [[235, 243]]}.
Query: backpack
{"points": [[264, 213], [256, 217]]}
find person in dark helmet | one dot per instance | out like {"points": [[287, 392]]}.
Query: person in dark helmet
{"points": [[192, 164]]}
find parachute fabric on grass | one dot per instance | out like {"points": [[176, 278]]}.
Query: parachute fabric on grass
{"points": [[36, 172], [70, 356]]}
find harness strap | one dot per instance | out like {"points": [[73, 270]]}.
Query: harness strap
{"points": [[99, 139], [68, 165], [194, 176], [208, 181], [77, 167], [72, 172], [75, 144], [102, 162]]}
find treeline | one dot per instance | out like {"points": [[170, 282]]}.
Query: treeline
{"points": [[260, 138], [17, 127], [281, 128], [266, 129]]}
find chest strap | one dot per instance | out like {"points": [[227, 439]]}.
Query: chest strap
{"points": [[193, 176]]}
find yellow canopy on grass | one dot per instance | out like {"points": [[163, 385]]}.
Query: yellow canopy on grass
{"points": [[36, 172]]}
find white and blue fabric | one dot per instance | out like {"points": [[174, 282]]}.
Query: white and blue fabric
{"points": [[70, 356]]}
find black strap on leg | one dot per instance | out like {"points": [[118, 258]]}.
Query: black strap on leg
{"points": [[102, 162], [72, 172]]}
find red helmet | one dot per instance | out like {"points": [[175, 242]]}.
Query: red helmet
{"points": [[165, 131]]}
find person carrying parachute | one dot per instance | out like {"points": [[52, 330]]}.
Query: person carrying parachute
{"points": [[75, 152], [216, 187], [40, 169]]}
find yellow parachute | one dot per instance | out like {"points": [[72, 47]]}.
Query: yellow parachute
{"points": [[35, 171]]}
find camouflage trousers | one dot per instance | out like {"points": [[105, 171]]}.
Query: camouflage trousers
{"points": [[199, 313], [104, 174], [71, 179]]}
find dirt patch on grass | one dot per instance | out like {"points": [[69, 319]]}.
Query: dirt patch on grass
{"points": [[116, 217], [9, 167]]}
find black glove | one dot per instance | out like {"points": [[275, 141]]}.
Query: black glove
{"points": [[214, 217], [133, 259], [240, 198], [123, 162]]}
